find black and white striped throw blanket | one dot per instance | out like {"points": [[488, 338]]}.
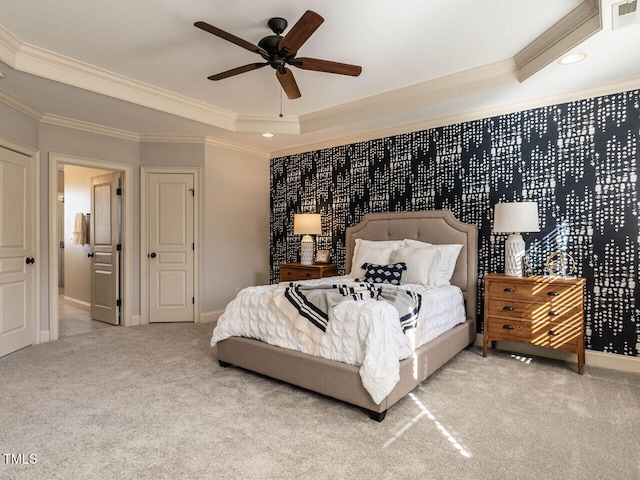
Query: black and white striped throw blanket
{"points": [[307, 307]]}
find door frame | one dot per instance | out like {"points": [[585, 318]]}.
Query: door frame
{"points": [[28, 151], [126, 286], [144, 241]]}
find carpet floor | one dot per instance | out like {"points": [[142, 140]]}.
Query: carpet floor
{"points": [[152, 402]]}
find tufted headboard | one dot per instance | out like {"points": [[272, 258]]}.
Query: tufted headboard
{"points": [[432, 226]]}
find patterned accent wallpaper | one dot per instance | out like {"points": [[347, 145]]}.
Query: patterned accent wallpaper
{"points": [[578, 160]]}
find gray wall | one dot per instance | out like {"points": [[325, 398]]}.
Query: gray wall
{"points": [[236, 224], [234, 220]]}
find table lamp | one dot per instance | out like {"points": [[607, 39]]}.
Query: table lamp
{"points": [[307, 224], [515, 218]]}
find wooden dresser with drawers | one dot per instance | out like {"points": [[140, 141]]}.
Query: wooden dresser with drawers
{"points": [[539, 310], [292, 272]]}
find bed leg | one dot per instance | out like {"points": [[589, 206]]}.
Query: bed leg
{"points": [[377, 416], [225, 364]]}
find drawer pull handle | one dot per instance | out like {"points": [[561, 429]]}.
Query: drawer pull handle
{"points": [[507, 327], [553, 294], [508, 308], [553, 333], [553, 314], [509, 290]]}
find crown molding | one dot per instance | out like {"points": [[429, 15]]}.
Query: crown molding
{"points": [[205, 140], [215, 142], [58, 121], [573, 29], [19, 105], [468, 116], [9, 46]]}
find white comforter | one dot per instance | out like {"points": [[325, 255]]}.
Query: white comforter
{"points": [[365, 333]]}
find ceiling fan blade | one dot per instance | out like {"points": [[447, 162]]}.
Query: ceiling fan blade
{"points": [[230, 37], [237, 71], [300, 32], [327, 66], [288, 83]]}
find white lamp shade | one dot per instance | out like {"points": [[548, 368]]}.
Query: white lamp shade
{"points": [[516, 217], [307, 224]]}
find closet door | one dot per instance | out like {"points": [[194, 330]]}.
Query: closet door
{"points": [[17, 258], [170, 200]]}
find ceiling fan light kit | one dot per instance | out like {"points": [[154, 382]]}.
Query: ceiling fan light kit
{"points": [[279, 51]]}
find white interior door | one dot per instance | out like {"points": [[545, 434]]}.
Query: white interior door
{"points": [[17, 224], [104, 238], [171, 249]]}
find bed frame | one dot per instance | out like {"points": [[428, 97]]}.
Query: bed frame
{"points": [[342, 381]]}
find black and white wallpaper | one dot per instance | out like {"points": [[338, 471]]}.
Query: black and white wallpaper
{"points": [[578, 160]]}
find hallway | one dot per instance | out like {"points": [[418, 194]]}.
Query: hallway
{"points": [[73, 320]]}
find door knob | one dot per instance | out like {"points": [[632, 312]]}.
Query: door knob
{"points": [[90, 254], [152, 255], [30, 260]]}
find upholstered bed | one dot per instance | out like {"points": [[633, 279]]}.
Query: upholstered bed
{"points": [[343, 381]]}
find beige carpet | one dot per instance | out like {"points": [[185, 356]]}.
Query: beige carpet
{"points": [[152, 402]]}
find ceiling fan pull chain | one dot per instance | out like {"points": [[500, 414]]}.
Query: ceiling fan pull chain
{"points": [[280, 103]]}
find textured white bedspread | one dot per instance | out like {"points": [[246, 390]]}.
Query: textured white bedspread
{"points": [[365, 333]]}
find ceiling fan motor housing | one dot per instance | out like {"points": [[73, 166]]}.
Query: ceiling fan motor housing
{"points": [[277, 25], [270, 45]]}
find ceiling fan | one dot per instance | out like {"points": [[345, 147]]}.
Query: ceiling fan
{"points": [[279, 51]]}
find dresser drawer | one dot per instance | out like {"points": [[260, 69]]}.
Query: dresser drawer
{"points": [[568, 334], [538, 291], [513, 309], [511, 290], [293, 274], [557, 312], [509, 329]]}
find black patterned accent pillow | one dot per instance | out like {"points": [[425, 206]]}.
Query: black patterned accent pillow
{"points": [[384, 273]]}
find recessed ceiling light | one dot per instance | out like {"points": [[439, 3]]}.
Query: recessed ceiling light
{"points": [[572, 58], [267, 135]]}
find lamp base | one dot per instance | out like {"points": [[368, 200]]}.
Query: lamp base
{"points": [[306, 250], [513, 254]]}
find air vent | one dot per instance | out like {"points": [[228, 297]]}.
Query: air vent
{"points": [[625, 14]]}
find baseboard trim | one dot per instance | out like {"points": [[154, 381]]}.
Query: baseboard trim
{"points": [[44, 336], [612, 361], [74, 302], [210, 317]]}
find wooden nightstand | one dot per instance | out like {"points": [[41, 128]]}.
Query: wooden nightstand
{"points": [[291, 272], [544, 311]]}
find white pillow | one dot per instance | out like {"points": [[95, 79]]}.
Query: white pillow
{"points": [[443, 263], [446, 264], [368, 251], [419, 262], [407, 242]]}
